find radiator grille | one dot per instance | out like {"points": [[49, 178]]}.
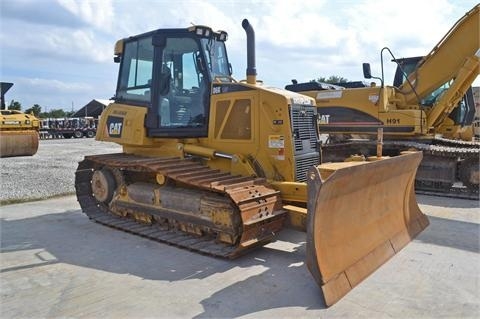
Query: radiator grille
{"points": [[304, 130], [303, 164], [305, 136]]}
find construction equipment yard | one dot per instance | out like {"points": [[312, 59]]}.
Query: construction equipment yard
{"points": [[55, 262]]}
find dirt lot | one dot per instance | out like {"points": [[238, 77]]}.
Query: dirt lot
{"points": [[50, 172]]}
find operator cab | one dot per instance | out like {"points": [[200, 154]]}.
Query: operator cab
{"points": [[170, 71]]}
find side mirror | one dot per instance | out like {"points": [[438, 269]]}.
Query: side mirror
{"points": [[367, 73]]}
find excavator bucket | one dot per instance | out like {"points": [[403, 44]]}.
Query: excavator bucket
{"points": [[359, 215], [18, 143]]}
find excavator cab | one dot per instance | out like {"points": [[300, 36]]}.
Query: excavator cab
{"points": [[461, 116]]}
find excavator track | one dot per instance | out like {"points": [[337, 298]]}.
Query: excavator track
{"points": [[441, 154], [456, 143], [257, 205]]}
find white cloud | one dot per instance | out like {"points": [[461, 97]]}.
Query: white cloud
{"points": [[87, 44], [49, 93], [299, 26], [71, 41], [96, 13], [333, 38], [58, 45], [383, 24], [42, 85]]}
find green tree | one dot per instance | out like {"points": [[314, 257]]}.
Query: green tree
{"points": [[53, 113], [15, 105], [332, 79], [36, 109], [57, 113]]}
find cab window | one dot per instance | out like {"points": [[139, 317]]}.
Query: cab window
{"points": [[136, 71]]}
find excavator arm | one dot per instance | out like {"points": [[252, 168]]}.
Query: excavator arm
{"points": [[452, 96], [452, 65]]}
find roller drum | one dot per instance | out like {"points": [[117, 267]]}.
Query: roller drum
{"points": [[18, 143]]}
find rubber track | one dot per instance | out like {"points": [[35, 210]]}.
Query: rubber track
{"points": [[246, 192]]}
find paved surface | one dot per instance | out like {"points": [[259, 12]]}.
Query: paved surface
{"points": [[50, 172], [57, 263]]}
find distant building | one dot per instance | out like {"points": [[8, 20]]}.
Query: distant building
{"points": [[93, 108]]}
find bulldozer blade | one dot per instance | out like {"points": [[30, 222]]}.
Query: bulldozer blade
{"points": [[18, 143], [359, 217]]}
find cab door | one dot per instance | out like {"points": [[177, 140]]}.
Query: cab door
{"points": [[180, 97]]}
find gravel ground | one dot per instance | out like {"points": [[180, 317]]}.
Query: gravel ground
{"points": [[50, 172]]}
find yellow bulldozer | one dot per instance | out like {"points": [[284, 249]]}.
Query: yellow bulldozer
{"points": [[220, 166], [430, 108], [18, 131]]}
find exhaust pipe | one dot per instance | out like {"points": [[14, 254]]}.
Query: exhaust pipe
{"points": [[251, 69]]}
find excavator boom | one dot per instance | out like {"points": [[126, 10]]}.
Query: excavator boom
{"points": [[458, 48], [454, 60]]}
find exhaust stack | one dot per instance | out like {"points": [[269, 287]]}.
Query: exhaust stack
{"points": [[251, 69]]}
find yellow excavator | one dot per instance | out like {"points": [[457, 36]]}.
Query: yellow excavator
{"points": [[18, 131], [220, 166], [459, 123], [429, 107]]}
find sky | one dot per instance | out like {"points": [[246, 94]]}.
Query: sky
{"points": [[59, 53]]}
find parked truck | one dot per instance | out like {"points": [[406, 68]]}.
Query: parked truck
{"points": [[76, 127]]}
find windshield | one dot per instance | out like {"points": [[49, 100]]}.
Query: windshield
{"points": [[408, 66], [432, 98], [216, 55]]}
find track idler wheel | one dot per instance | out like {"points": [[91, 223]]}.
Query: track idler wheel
{"points": [[103, 185]]}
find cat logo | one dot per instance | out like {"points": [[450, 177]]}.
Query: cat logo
{"points": [[323, 118], [115, 129], [114, 126]]}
